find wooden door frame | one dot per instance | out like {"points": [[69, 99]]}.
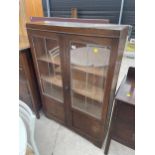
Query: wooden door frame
{"points": [[108, 82], [48, 35]]}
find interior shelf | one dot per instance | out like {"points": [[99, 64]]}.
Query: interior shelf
{"points": [[55, 60], [92, 70], [54, 80], [94, 92], [95, 95]]}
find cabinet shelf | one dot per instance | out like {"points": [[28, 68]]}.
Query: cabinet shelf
{"points": [[55, 61], [92, 70], [95, 95], [94, 92], [54, 80]]}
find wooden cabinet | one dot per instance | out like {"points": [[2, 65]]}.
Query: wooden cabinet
{"points": [[28, 87], [122, 126], [77, 67]]}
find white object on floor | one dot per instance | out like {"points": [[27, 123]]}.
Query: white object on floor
{"points": [[22, 137], [29, 119]]}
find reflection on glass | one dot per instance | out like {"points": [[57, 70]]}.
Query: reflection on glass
{"points": [[48, 56], [89, 65]]}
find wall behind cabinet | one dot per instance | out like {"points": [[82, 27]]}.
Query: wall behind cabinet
{"points": [[97, 9]]}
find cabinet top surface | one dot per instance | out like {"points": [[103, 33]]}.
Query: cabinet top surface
{"points": [[81, 25], [75, 27]]}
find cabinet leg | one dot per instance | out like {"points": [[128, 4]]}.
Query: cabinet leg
{"points": [[107, 145], [37, 115]]}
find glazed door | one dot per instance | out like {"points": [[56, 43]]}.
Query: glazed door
{"points": [[88, 70], [48, 64]]}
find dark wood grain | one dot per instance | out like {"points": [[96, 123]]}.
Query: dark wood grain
{"points": [[111, 36], [79, 20], [85, 29], [28, 86], [122, 126], [54, 108]]}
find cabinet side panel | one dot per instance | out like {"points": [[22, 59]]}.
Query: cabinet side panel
{"points": [[123, 129], [121, 47], [24, 93]]}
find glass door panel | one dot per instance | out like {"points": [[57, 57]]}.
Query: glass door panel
{"points": [[49, 66], [89, 64]]}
